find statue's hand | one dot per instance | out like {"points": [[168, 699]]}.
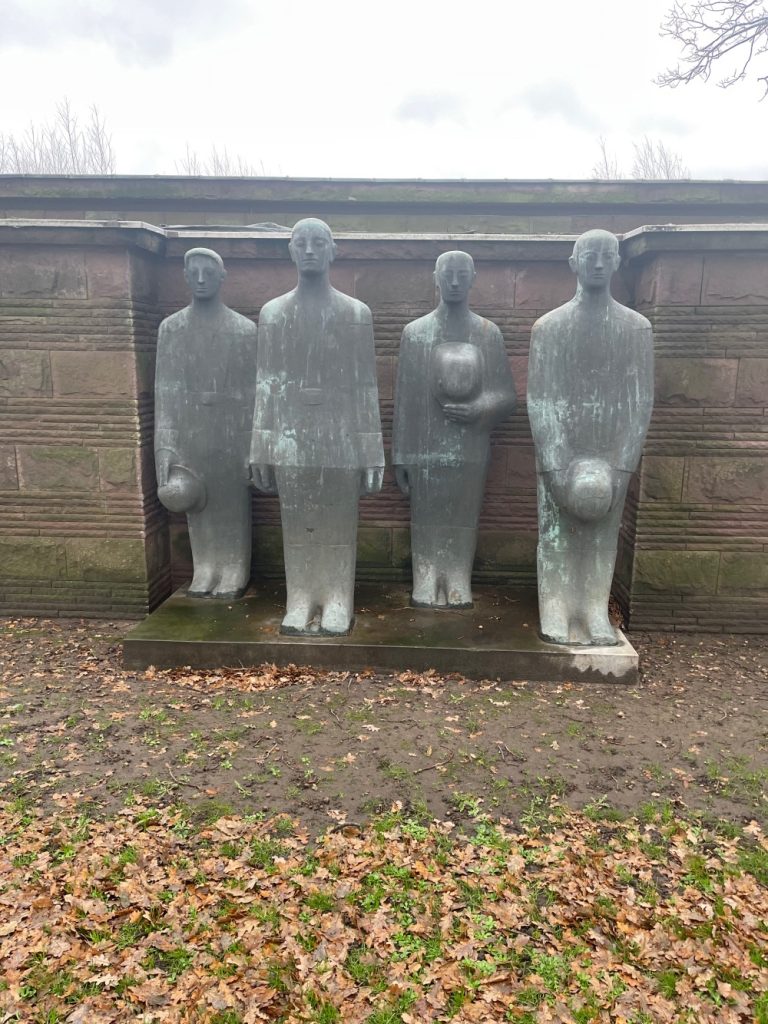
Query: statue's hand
{"points": [[164, 459], [464, 412], [372, 480], [401, 478], [557, 482], [263, 477]]}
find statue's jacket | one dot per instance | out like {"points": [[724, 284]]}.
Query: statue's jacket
{"points": [[204, 389], [590, 386], [421, 433], [317, 402]]}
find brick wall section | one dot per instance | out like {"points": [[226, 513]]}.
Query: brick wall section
{"points": [[701, 548], [77, 325]]}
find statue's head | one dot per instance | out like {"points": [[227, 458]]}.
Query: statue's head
{"points": [[312, 247], [204, 271], [454, 275], [595, 259]]}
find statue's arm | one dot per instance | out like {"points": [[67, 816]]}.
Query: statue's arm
{"points": [[499, 390], [167, 396], [371, 444], [545, 393], [261, 459], [405, 380]]}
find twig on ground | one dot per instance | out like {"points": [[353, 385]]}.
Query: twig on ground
{"points": [[429, 767], [181, 782]]}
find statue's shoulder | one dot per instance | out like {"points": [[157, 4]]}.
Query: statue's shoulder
{"points": [[238, 322], [277, 307], [632, 318], [554, 319], [352, 308], [487, 328], [419, 328], [175, 322]]}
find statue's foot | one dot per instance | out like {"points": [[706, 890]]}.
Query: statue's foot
{"points": [[600, 631], [203, 581], [297, 619], [424, 593], [336, 619], [232, 584], [555, 626], [459, 593]]}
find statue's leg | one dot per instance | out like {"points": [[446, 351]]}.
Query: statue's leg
{"points": [[295, 487], [234, 541], [337, 540], [556, 571], [445, 507], [599, 562], [463, 499], [423, 541], [202, 532]]}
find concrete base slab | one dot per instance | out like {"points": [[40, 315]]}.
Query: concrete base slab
{"points": [[496, 639]]}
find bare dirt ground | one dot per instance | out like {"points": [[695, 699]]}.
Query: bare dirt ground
{"points": [[333, 748]]}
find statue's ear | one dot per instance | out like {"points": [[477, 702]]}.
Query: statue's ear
{"points": [[617, 262], [334, 250], [572, 263]]}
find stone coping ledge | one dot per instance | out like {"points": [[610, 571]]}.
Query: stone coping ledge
{"points": [[250, 243], [122, 233], [380, 193]]}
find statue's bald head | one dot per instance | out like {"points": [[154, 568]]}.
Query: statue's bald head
{"points": [[595, 259], [312, 247], [595, 238], [455, 256], [313, 225], [454, 276]]}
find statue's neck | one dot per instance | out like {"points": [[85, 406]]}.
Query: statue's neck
{"points": [[207, 307], [454, 314], [314, 286], [593, 298]]}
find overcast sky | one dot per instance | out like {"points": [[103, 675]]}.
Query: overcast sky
{"points": [[400, 88]]}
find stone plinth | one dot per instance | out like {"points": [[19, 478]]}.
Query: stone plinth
{"points": [[496, 639]]}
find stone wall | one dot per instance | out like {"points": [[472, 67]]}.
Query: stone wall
{"points": [[354, 204], [701, 547], [77, 327], [81, 531]]}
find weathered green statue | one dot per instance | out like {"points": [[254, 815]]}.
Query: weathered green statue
{"points": [[590, 397]]}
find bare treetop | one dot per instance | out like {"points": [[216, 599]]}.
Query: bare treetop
{"points": [[63, 146], [712, 31]]}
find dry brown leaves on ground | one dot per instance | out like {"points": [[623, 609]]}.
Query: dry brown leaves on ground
{"points": [[145, 918]]}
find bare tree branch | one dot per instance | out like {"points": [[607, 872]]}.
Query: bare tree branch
{"points": [[654, 162], [606, 168], [711, 31], [218, 165], [60, 147]]}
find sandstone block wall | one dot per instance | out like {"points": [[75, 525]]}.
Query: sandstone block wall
{"points": [[77, 325]]}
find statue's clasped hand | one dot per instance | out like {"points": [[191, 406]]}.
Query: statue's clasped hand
{"points": [[263, 477], [463, 412], [371, 480]]}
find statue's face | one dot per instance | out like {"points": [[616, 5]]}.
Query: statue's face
{"points": [[204, 276], [312, 249], [595, 262], [455, 276]]}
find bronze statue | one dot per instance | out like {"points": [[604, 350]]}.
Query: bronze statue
{"points": [[590, 397], [316, 431], [454, 385], [206, 354]]}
